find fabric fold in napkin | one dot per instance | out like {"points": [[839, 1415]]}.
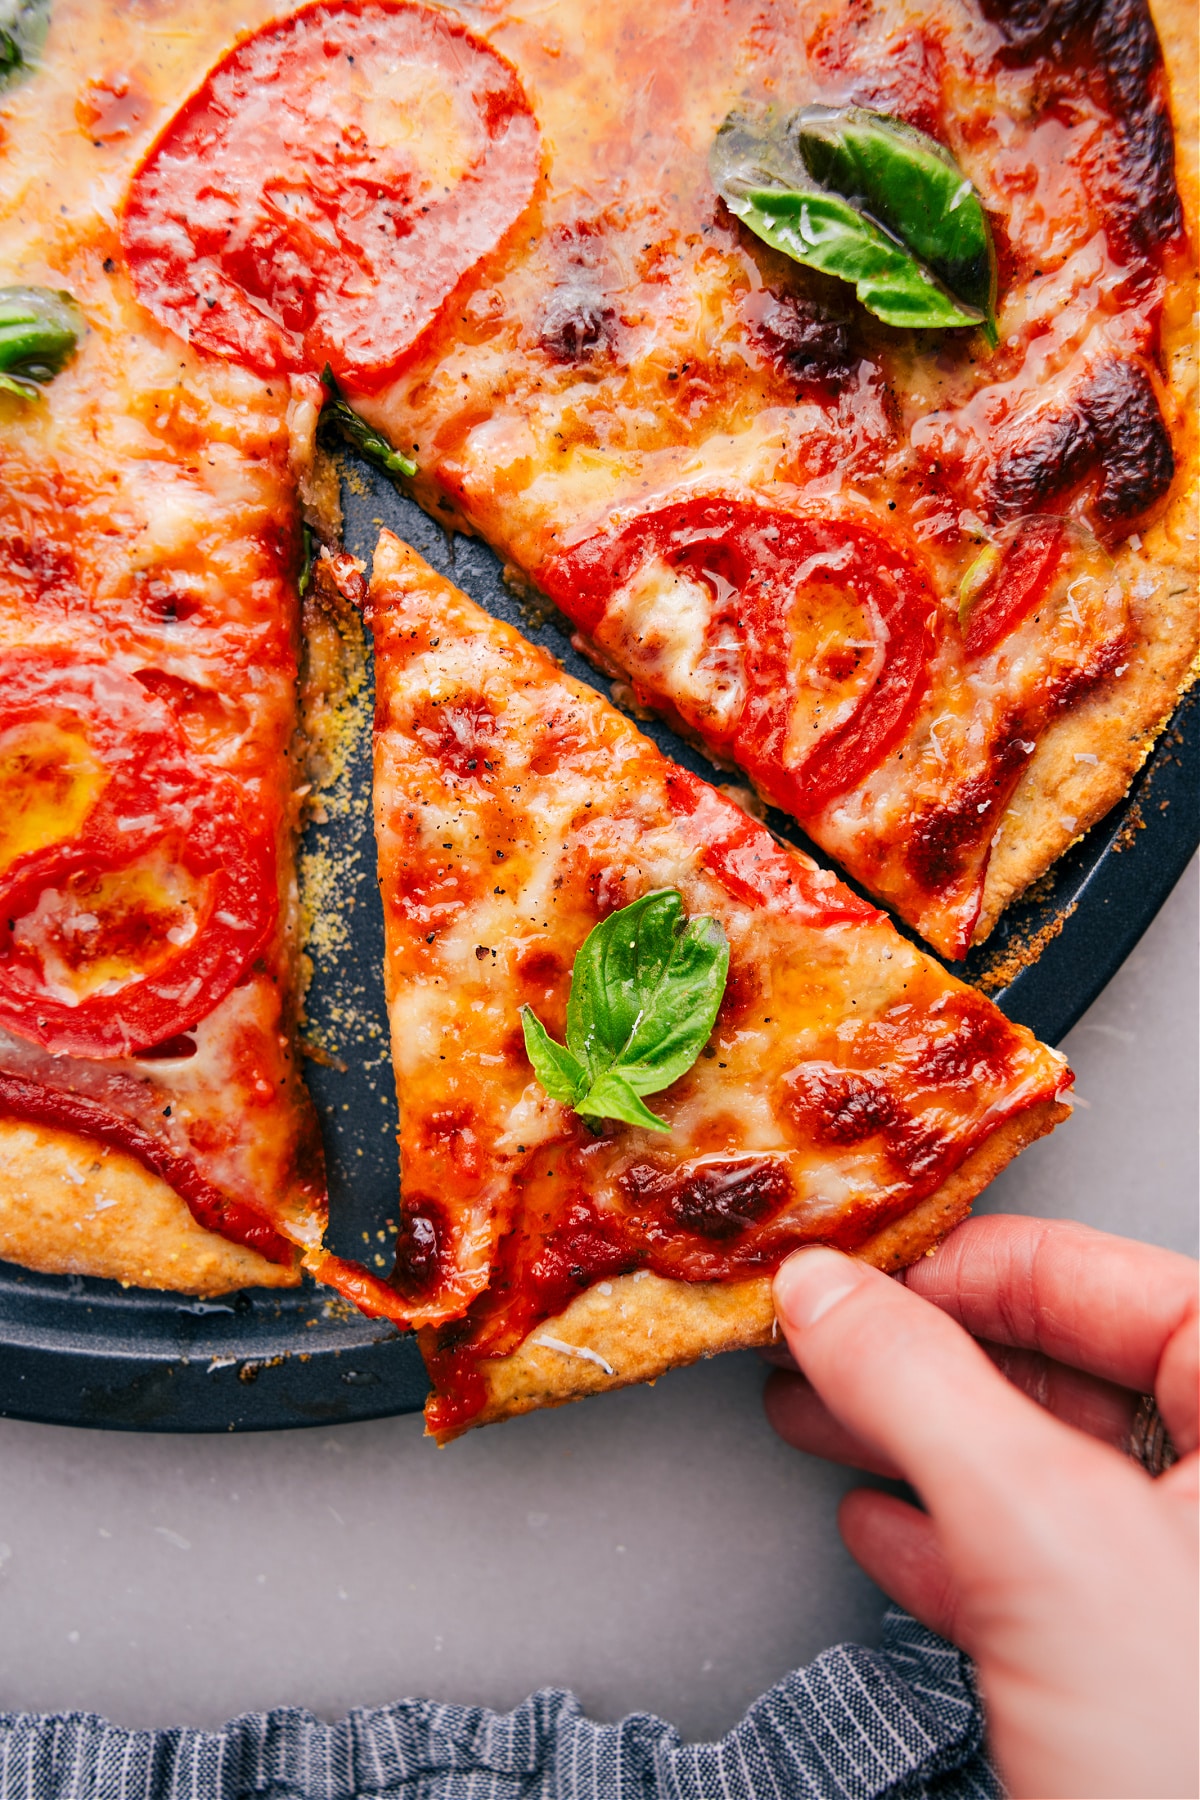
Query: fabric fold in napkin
{"points": [[903, 1721]]}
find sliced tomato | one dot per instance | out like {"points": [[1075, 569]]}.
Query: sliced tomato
{"points": [[133, 893], [759, 564], [328, 187], [752, 866], [232, 1219], [1013, 582]]}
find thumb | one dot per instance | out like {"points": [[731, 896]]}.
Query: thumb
{"points": [[903, 1377], [1055, 1553]]}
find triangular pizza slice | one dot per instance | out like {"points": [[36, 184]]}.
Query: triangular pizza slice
{"points": [[850, 1091]]}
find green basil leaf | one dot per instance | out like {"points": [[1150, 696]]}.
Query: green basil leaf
{"points": [[869, 200], [913, 187], [827, 234], [309, 551], [562, 1077], [23, 28], [612, 1098], [337, 416], [645, 991], [977, 578], [39, 329]]}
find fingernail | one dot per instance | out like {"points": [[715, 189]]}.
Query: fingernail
{"points": [[810, 1282]]}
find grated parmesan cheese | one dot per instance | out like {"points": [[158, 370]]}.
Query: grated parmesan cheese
{"points": [[580, 1350]]}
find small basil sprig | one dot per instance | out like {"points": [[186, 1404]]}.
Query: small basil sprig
{"points": [[870, 200], [645, 991], [978, 577], [23, 28], [309, 551], [39, 329], [337, 416]]}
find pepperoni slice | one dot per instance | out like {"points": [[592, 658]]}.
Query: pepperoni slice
{"points": [[826, 630], [325, 191], [133, 892]]}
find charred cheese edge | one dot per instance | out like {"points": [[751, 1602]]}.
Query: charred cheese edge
{"points": [[513, 808], [616, 358], [1063, 793]]}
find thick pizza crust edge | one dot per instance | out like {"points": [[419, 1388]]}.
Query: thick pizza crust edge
{"points": [[69, 1206], [1061, 795], [636, 1327]]}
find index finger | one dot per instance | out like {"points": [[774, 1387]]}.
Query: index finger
{"points": [[1107, 1305]]}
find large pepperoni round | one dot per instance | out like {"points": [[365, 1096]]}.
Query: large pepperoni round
{"points": [[329, 186]]}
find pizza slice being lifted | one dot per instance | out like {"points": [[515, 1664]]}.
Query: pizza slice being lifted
{"points": [[557, 1235]]}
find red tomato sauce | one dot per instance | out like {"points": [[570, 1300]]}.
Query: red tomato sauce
{"points": [[752, 867], [712, 1221]]}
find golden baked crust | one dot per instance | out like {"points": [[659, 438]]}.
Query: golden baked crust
{"points": [[1175, 22], [636, 1327], [1063, 792], [71, 1207]]}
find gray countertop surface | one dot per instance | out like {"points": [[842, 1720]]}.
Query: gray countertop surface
{"points": [[653, 1549]]}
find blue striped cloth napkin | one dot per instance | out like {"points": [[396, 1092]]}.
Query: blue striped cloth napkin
{"points": [[902, 1721]]}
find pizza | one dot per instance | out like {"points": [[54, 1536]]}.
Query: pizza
{"points": [[919, 564], [848, 1090], [154, 1124], [760, 505]]}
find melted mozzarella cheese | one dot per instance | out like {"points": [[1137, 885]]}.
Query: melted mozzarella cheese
{"points": [[634, 344], [148, 516], [563, 814], [660, 625]]}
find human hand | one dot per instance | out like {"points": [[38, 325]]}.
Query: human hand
{"points": [[1059, 1565]]}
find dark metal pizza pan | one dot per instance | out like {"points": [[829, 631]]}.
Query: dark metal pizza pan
{"points": [[83, 1352]]}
